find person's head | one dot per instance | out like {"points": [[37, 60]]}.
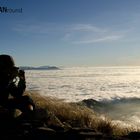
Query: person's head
{"points": [[8, 71]]}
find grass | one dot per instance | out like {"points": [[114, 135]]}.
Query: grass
{"points": [[73, 115]]}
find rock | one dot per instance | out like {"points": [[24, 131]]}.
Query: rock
{"points": [[54, 123], [134, 135], [46, 125], [82, 129], [44, 132], [17, 113], [85, 135]]}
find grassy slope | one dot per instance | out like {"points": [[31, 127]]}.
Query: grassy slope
{"points": [[56, 112]]}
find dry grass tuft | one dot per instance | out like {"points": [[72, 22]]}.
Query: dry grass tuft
{"points": [[75, 115]]}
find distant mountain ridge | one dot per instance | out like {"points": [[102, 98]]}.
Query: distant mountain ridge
{"points": [[39, 68]]}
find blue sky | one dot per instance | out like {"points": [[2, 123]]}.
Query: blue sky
{"points": [[72, 32]]}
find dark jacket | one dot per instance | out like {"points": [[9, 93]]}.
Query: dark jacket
{"points": [[10, 88]]}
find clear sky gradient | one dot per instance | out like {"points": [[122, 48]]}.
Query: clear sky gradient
{"points": [[72, 32]]}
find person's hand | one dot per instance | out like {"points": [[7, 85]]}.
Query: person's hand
{"points": [[21, 74]]}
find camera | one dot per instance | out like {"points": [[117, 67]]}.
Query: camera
{"points": [[21, 73], [16, 73]]}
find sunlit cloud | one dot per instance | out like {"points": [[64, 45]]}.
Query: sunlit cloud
{"points": [[87, 28], [87, 34], [74, 33], [102, 39]]}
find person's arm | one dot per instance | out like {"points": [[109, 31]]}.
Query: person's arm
{"points": [[17, 91], [21, 86]]}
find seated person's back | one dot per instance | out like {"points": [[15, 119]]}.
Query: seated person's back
{"points": [[9, 86]]}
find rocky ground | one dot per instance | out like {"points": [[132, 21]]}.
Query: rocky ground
{"points": [[22, 128], [42, 126]]}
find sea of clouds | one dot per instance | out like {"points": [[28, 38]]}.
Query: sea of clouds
{"points": [[118, 87]]}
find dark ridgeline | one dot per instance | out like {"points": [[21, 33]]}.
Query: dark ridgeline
{"points": [[39, 68]]}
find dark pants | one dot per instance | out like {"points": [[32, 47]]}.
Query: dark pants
{"points": [[22, 103]]}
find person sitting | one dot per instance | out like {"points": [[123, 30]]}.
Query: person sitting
{"points": [[12, 87]]}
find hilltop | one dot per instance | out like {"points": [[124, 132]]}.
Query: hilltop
{"points": [[55, 119]]}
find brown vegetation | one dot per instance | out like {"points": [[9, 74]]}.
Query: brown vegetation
{"points": [[73, 115]]}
